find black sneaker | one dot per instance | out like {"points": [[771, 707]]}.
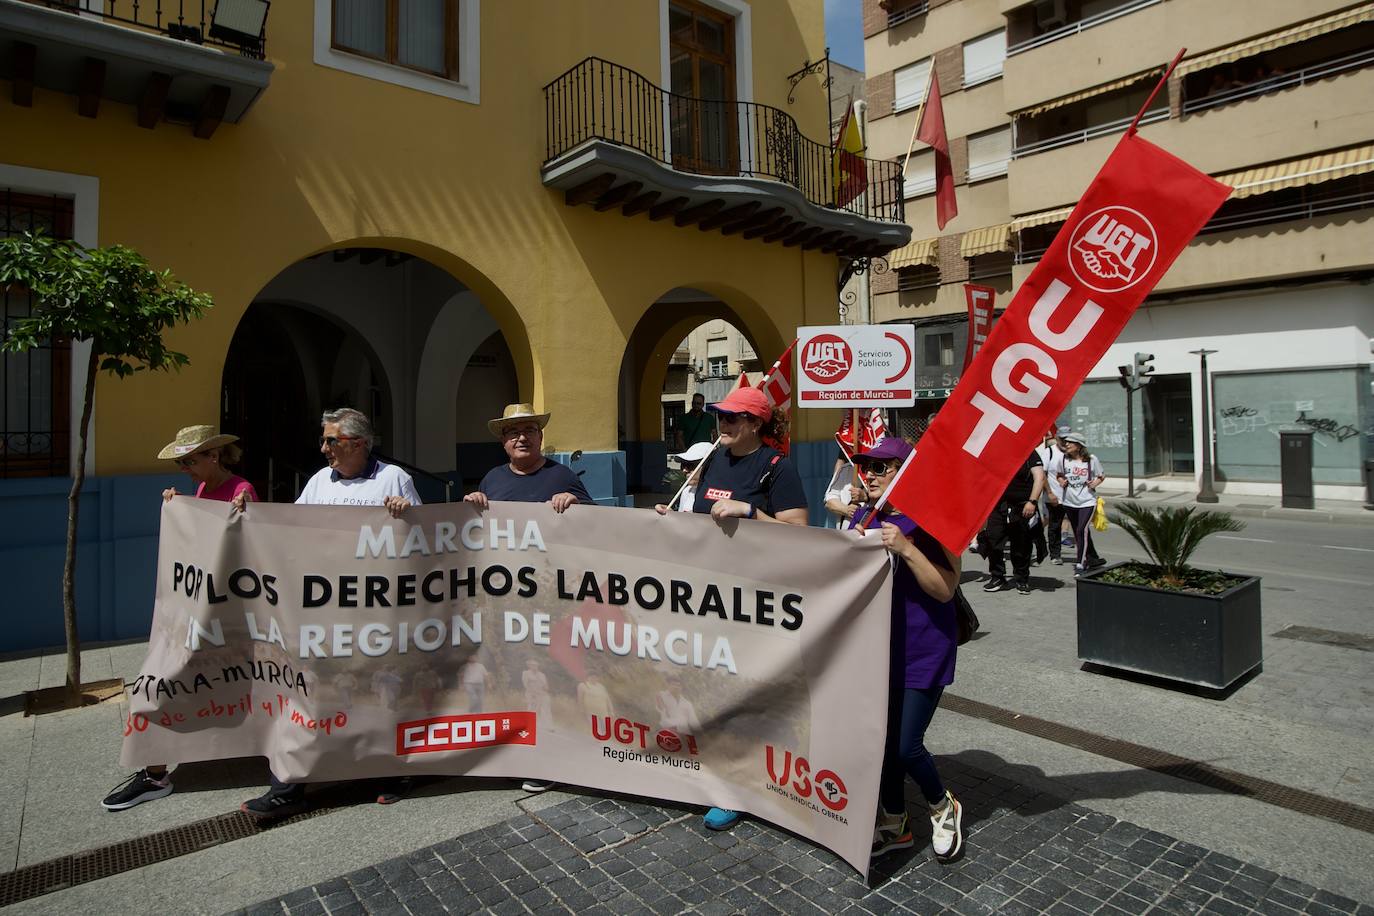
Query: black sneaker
{"points": [[1023, 588], [395, 789], [136, 790], [1095, 562], [892, 833], [276, 803], [995, 585]]}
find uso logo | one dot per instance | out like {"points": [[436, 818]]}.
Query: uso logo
{"points": [[826, 359], [826, 785], [1113, 249]]}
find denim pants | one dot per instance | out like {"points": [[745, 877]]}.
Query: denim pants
{"points": [[909, 711]]}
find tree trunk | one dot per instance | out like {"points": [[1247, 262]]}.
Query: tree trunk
{"points": [[73, 510]]}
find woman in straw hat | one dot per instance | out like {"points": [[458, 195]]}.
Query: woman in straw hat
{"points": [[206, 456]]}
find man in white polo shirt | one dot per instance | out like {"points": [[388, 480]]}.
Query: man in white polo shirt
{"points": [[353, 476]]}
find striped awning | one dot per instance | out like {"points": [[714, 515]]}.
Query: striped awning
{"points": [[1297, 172], [1287, 36], [1042, 218], [1089, 93], [912, 254], [985, 240]]}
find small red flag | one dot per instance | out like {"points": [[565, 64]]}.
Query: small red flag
{"points": [[777, 385], [931, 130], [871, 432], [980, 299]]}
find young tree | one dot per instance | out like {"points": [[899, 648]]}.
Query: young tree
{"points": [[113, 299]]}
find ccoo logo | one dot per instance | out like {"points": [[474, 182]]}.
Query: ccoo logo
{"points": [[826, 359], [1113, 249]]}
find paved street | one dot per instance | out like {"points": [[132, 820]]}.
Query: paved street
{"points": [[1052, 827]]}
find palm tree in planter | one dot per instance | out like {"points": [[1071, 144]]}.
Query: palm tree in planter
{"points": [[1166, 618]]}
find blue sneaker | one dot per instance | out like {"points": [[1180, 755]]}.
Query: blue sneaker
{"points": [[720, 819]]}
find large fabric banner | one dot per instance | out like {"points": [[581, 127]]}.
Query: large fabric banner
{"points": [[741, 664], [1132, 222]]}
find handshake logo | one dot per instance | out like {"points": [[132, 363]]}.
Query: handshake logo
{"points": [[1112, 249]]}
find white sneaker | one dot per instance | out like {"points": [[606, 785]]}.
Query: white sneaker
{"points": [[946, 828]]}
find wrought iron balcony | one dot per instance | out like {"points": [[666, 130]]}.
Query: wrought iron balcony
{"points": [[616, 139], [185, 20]]}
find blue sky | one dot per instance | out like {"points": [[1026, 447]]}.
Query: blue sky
{"points": [[844, 32]]}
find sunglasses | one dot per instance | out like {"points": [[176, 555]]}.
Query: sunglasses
{"points": [[333, 441], [727, 417], [876, 469], [188, 460]]}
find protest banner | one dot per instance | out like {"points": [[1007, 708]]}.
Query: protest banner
{"points": [[1135, 218], [740, 664]]}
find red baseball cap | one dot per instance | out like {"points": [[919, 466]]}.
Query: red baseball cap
{"points": [[745, 400]]}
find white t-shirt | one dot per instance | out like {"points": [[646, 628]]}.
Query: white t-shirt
{"points": [[1049, 454], [1077, 495], [370, 488]]}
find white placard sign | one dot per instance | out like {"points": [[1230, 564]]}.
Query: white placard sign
{"points": [[856, 365]]}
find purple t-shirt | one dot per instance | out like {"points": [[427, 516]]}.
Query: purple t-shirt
{"points": [[226, 491], [925, 632]]}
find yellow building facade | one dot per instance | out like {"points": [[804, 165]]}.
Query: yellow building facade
{"points": [[431, 226]]}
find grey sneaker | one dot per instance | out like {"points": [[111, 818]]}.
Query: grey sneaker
{"points": [[892, 832], [946, 829]]}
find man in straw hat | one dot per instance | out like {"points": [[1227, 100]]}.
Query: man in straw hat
{"points": [[352, 476], [527, 477]]}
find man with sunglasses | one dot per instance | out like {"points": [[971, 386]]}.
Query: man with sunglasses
{"points": [[352, 476]]}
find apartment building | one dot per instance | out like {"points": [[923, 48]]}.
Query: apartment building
{"points": [[1273, 98]]}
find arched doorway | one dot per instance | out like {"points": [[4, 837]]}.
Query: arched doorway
{"points": [[382, 331]]}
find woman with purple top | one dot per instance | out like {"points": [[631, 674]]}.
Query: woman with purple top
{"points": [[924, 643]]}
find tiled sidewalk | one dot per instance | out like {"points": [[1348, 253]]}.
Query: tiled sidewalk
{"points": [[1027, 852]]}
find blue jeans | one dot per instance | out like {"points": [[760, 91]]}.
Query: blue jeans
{"points": [[908, 715]]}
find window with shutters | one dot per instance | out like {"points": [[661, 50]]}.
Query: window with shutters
{"points": [[939, 349], [909, 85], [989, 153], [35, 386], [983, 58], [920, 175]]}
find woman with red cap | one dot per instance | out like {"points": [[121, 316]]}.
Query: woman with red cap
{"points": [[921, 664], [743, 478]]}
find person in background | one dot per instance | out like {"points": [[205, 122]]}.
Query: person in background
{"points": [[1009, 523], [922, 653], [689, 461], [206, 456], [1079, 474], [1047, 536], [696, 425], [845, 493]]}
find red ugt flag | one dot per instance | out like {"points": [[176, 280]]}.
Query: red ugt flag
{"points": [[777, 384], [931, 130], [871, 432], [1133, 221]]}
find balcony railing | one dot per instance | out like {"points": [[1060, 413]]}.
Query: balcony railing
{"points": [[185, 20], [1073, 28], [907, 13], [1356, 61], [599, 100], [1088, 133]]}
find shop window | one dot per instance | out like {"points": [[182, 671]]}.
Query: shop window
{"points": [[35, 386], [939, 349]]}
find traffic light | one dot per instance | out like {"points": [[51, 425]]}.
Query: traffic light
{"points": [[1142, 369], [1127, 379]]}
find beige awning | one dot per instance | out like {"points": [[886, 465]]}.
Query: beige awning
{"points": [[1297, 172], [985, 240], [921, 251], [1288, 36], [1089, 93], [1042, 218]]}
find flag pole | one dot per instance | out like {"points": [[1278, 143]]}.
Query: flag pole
{"points": [[920, 113], [1168, 71]]}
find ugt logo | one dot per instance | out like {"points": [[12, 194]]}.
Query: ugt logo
{"points": [[827, 358], [1113, 249], [827, 786]]}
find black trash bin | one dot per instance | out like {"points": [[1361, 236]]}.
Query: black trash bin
{"points": [[1369, 483], [1295, 466]]}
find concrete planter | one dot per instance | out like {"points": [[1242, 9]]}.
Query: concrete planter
{"points": [[1206, 640]]}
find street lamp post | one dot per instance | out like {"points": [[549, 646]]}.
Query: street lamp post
{"points": [[1205, 493]]}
